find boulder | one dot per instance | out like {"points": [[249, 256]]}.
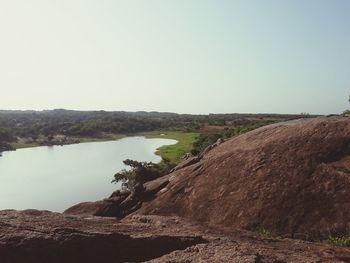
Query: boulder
{"points": [[120, 203], [291, 178]]}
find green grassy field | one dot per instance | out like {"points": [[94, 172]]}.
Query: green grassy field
{"points": [[173, 152], [111, 137], [23, 145]]}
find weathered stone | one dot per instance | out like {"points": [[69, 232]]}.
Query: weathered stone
{"points": [[120, 203], [290, 178], [41, 236], [188, 162]]}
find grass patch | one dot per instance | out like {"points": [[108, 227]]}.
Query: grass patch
{"points": [[343, 170], [88, 139], [106, 137], [267, 233], [339, 241], [264, 232], [173, 152], [23, 145]]}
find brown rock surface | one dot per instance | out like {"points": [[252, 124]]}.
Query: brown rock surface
{"points": [[119, 204], [42, 236], [291, 178]]}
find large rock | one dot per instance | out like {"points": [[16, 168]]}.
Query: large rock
{"points": [[291, 178], [120, 203], [114, 206], [41, 236]]}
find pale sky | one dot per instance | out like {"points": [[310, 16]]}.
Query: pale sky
{"points": [[185, 56]]}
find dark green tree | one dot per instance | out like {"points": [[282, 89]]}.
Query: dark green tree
{"points": [[140, 172]]}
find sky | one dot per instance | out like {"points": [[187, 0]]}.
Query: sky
{"points": [[185, 56]]}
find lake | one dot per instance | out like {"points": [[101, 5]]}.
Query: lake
{"points": [[57, 177]]}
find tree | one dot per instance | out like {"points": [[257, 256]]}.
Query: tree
{"points": [[141, 172], [347, 112]]}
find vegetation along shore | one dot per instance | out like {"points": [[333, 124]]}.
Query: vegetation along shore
{"points": [[21, 129]]}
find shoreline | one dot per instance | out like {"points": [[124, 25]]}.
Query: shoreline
{"points": [[173, 152], [100, 155]]}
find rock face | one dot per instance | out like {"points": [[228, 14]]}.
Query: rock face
{"points": [[41, 236], [119, 204], [290, 178]]}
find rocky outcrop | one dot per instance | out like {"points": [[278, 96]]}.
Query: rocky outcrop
{"points": [[120, 203], [42, 236], [189, 161], [114, 206], [291, 178], [247, 248]]}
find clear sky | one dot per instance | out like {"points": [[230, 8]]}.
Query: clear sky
{"points": [[186, 56]]}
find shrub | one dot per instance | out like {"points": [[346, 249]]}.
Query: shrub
{"points": [[339, 241], [141, 172], [264, 232]]}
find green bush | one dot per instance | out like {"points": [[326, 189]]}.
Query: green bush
{"points": [[141, 172], [264, 232], [339, 241], [204, 140]]}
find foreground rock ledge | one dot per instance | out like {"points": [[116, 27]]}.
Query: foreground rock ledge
{"points": [[42, 236]]}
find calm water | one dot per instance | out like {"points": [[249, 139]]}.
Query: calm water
{"points": [[55, 178]]}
